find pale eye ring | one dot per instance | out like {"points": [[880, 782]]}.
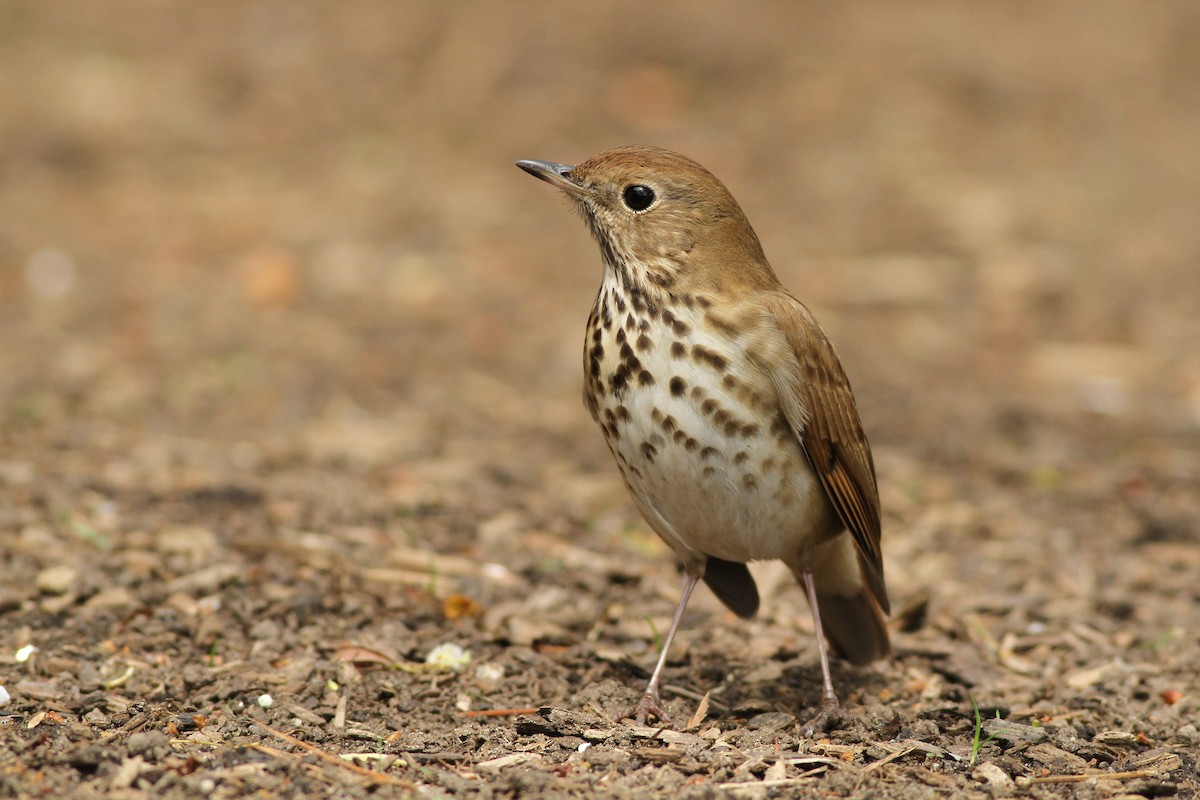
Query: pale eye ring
{"points": [[638, 197]]}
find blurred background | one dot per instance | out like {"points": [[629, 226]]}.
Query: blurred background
{"points": [[274, 298], [280, 241], [227, 216]]}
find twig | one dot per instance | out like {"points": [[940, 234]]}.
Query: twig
{"points": [[736, 785], [683, 691], [1099, 776], [899, 752], [499, 712], [370, 774]]}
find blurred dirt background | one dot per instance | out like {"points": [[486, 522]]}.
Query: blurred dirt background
{"points": [[289, 397]]}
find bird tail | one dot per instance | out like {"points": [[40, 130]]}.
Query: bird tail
{"points": [[852, 616], [854, 625]]}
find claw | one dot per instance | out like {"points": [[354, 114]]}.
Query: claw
{"points": [[649, 704], [827, 719]]}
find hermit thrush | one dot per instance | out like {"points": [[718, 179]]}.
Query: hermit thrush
{"points": [[723, 402]]}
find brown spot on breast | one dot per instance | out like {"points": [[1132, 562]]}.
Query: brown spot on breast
{"points": [[678, 350], [702, 354], [708, 452], [722, 325], [657, 440], [721, 417], [678, 386], [661, 278], [732, 427], [708, 406], [704, 302], [679, 437], [669, 425], [749, 430], [691, 444], [749, 481], [779, 426], [656, 415], [741, 458], [644, 342], [679, 326], [622, 414], [645, 378], [708, 472], [649, 451]]}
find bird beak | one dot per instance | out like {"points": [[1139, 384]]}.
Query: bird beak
{"points": [[553, 174]]}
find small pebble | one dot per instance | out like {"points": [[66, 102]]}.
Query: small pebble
{"points": [[56, 580], [489, 676]]}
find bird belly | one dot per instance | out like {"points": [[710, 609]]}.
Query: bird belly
{"points": [[707, 456]]}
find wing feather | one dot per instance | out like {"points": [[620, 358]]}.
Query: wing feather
{"points": [[819, 406]]}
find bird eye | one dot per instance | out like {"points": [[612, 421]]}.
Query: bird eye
{"points": [[638, 197]]}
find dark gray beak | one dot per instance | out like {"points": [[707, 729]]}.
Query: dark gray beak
{"points": [[553, 174]]}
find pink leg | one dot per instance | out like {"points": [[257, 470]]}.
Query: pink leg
{"points": [[829, 707], [829, 701], [650, 703]]}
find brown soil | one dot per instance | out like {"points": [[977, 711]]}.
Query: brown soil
{"points": [[289, 396]]}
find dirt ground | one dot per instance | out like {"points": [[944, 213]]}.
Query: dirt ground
{"points": [[289, 398]]}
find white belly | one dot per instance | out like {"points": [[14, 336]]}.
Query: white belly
{"points": [[704, 451]]}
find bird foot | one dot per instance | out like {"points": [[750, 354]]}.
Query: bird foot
{"points": [[828, 719], [648, 705]]}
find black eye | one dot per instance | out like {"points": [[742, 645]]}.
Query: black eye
{"points": [[638, 197]]}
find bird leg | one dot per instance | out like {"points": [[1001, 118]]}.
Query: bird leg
{"points": [[830, 710], [650, 703]]}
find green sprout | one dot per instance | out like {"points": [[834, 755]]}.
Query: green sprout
{"points": [[977, 743]]}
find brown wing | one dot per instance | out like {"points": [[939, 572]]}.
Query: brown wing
{"points": [[826, 421]]}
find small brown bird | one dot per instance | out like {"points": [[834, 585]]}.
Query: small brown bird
{"points": [[724, 403]]}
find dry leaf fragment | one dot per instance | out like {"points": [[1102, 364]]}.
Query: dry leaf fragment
{"points": [[458, 606], [361, 656], [701, 713]]}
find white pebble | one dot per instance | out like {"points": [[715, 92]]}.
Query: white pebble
{"points": [[24, 653], [489, 676], [5, 697], [266, 701]]}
